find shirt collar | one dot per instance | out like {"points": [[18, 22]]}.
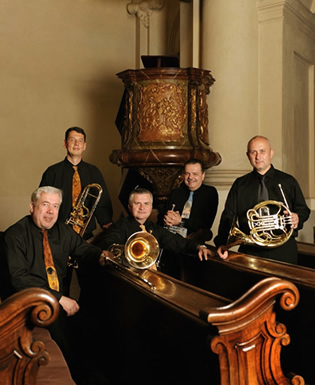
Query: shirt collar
{"points": [[270, 173], [71, 165]]}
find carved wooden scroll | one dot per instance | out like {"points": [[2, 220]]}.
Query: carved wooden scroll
{"points": [[250, 339], [20, 355]]}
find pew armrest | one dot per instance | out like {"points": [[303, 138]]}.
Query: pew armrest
{"points": [[21, 352], [250, 339]]}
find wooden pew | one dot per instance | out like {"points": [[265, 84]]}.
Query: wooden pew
{"points": [[163, 331], [28, 355], [232, 277], [306, 254]]}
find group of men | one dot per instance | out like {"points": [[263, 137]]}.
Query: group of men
{"points": [[183, 227]]}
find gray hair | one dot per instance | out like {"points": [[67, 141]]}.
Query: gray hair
{"points": [[139, 190], [45, 189]]}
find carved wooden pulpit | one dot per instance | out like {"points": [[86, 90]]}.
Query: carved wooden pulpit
{"points": [[165, 123]]}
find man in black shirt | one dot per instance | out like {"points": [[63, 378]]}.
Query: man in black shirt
{"points": [[60, 175], [140, 205], [23, 262], [197, 224], [244, 196]]}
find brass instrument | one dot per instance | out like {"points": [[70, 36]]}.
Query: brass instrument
{"points": [[140, 251], [269, 226], [81, 215]]}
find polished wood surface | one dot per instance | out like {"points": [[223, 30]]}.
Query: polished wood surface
{"points": [[232, 277], [164, 123], [20, 354], [306, 254], [174, 333]]}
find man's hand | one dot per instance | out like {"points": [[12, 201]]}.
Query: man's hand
{"points": [[222, 253], [104, 257], [69, 305], [172, 218], [107, 226], [204, 252], [295, 219]]}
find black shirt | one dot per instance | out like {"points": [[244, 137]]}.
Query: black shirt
{"points": [[122, 229], [60, 175], [22, 257], [203, 210], [244, 196]]}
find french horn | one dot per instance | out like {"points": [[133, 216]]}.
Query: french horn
{"points": [[270, 224], [141, 250]]}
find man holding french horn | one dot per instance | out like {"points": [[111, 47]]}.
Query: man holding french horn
{"points": [[267, 206]]}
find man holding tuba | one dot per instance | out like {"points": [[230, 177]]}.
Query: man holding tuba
{"points": [[264, 183], [140, 206]]}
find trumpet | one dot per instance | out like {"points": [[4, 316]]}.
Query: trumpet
{"points": [[269, 226], [81, 215]]}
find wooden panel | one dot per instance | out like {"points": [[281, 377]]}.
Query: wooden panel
{"points": [[230, 278], [160, 330]]}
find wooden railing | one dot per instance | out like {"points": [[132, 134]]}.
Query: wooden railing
{"points": [[174, 333], [232, 277], [20, 354]]}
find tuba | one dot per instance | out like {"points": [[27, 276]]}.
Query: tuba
{"points": [[269, 225], [82, 212], [140, 251]]}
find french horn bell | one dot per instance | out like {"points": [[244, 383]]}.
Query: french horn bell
{"points": [[269, 226]]}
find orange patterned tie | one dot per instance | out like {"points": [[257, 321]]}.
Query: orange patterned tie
{"points": [[49, 263], [76, 191]]}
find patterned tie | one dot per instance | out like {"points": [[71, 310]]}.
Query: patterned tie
{"points": [[76, 191], [49, 263], [187, 206], [263, 194]]}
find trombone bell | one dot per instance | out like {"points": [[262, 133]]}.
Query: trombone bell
{"points": [[140, 251]]}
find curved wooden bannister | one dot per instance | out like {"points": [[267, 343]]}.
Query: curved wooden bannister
{"points": [[20, 355]]}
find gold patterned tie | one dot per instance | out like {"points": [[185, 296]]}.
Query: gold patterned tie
{"points": [[49, 264], [76, 191]]}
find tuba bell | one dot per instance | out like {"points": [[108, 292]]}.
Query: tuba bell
{"points": [[140, 251]]}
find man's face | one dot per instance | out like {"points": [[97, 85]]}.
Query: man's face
{"points": [[45, 212], [75, 144], [193, 176], [141, 207], [260, 154]]}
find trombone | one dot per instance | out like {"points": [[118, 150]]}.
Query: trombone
{"points": [[140, 251], [81, 215]]}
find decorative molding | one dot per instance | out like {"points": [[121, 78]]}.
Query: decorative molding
{"points": [[293, 12], [144, 9], [223, 178]]}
